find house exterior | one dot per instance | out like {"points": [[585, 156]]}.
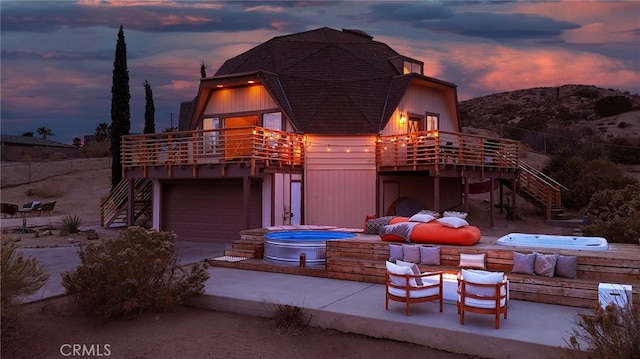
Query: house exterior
{"points": [[321, 127], [25, 148]]}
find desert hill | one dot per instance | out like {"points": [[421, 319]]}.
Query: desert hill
{"points": [[567, 111]]}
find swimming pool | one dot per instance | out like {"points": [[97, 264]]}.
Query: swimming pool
{"points": [[286, 246], [554, 242]]}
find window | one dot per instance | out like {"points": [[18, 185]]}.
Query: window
{"points": [[416, 124], [211, 138], [272, 121], [411, 67], [432, 121]]}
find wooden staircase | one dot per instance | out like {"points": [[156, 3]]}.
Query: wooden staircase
{"points": [[539, 189], [114, 208]]}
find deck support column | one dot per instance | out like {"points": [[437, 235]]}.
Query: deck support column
{"points": [[466, 194], [131, 203], [491, 221], [246, 200], [436, 193]]}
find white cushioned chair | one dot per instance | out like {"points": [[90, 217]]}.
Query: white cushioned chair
{"points": [[402, 286], [482, 292]]}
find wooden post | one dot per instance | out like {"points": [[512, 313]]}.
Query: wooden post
{"points": [[491, 222], [246, 200]]}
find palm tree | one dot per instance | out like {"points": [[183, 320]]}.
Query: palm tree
{"points": [[77, 142], [44, 132], [103, 131]]}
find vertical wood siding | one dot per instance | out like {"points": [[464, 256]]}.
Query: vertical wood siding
{"points": [[420, 100], [340, 186], [243, 99]]}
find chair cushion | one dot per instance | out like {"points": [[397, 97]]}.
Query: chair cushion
{"points": [[415, 293], [481, 277], [414, 269], [396, 269], [430, 255]]}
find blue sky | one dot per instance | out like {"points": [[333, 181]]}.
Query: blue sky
{"points": [[57, 56]]}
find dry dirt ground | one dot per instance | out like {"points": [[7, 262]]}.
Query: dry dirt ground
{"points": [[49, 328]]}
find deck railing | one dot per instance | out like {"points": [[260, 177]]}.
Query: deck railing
{"points": [[440, 147], [255, 145]]}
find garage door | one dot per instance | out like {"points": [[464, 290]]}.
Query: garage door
{"points": [[208, 211]]}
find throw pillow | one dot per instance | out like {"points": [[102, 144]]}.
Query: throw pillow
{"points": [[420, 217], [430, 255], [453, 222], [400, 270], [411, 253], [430, 212], [472, 260], [545, 264], [414, 269], [567, 266], [395, 252], [523, 263], [462, 215]]}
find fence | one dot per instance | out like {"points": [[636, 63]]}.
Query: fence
{"points": [[18, 173]]}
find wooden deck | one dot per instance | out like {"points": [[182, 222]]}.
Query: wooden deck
{"points": [[363, 259]]}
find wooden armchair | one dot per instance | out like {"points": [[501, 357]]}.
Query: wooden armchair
{"points": [[402, 285], [482, 292]]}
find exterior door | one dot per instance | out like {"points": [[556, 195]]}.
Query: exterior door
{"points": [[238, 134]]}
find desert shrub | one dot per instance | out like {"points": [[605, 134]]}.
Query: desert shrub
{"points": [[613, 105], [20, 278], [626, 150], [46, 189], [610, 332], [70, 224], [290, 319], [615, 214], [134, 272], [585, 172], [587, 92], [98, 149]]}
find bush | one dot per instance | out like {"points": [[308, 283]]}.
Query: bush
{"points": [[611, 332], [613, 105], [70, 224], [290, 319], [20, 278], [134, 272], [615, 214], [585, 173]]}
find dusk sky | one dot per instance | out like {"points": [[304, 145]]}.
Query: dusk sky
{"points": [[57, 56]]}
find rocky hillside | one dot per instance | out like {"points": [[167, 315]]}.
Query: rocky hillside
{"points": [[566, 111]]}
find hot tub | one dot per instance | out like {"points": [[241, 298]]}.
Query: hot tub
{"points": [[286, 246], [554, 242]]}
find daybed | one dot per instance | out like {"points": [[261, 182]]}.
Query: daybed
{"points": [[447, 230]]}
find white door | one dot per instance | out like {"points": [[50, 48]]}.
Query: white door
{"points": [[296, 202]]}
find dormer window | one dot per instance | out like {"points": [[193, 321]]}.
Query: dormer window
{"points": [[411, 67]]}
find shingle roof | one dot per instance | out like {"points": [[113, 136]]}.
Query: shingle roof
{"points": [[328, 81]]}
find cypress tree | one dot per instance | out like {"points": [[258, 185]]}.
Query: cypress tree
{"points": [[149, 109], [120, 113]]}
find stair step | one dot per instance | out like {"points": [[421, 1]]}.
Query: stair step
{"points": [[233, 252]]}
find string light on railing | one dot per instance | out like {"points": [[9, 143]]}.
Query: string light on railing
{"points": [[348, 149], [366, 148], [328, 148]]}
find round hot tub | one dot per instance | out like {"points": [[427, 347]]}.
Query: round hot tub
{"points": [[286, 246]]}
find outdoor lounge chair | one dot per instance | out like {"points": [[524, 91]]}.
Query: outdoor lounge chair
{"points": [[46, 208], [482, 292], [402, 285], [9, 209]]}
